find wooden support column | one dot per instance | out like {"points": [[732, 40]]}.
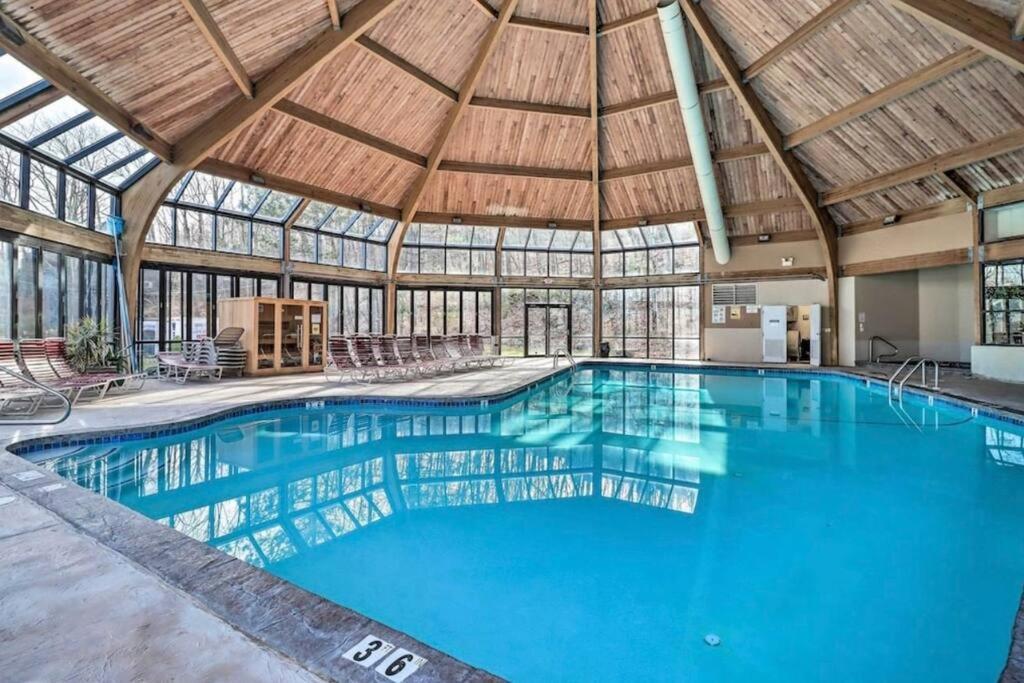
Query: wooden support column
{"points": [[787, 163]]}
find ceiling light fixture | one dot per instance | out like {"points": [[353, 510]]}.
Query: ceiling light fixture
{"points": [[764, 238], [890, 220], [552, 225], [257, 179]]}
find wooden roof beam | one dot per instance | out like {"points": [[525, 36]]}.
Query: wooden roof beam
{"points": [[719, 156], [970, 24], [971, 154], [315, 118], [787, 163], [503, 221], [271, 181], [332, 9], [532, 107], [960, 186], [552, 26], [759, 208], [36, 56], [946, 208], [270, 89], [419, 74], [515, 171], [611, 26], [451, 122], [795, 39], [890, 93], [705, 88], [207, 25], [40, 99]]}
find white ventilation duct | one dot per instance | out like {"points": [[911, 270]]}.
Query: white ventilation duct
{"points": [[674, 31]]}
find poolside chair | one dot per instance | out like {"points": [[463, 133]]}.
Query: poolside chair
{"points": [[425, 354], [56, 354], [196, 360], [391, 359], [476, 351], [405, 347], [485, 347], [341, 361], [17, 397], [365, 358], [450, 346], [32, 353], [230, 353]]}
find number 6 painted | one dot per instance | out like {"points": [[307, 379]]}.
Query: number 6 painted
{"points": [[397, 665]]}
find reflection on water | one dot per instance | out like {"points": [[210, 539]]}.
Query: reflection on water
{"points": [[651, 506]]}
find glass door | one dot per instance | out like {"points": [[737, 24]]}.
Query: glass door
{"points": [[548, 329]]}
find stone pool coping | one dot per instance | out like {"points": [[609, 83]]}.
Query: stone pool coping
{"points": [[301, 626]]}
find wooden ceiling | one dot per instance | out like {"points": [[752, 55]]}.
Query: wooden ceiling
{"points": [[886, 110]]}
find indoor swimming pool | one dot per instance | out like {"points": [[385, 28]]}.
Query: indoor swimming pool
{"points": [[623, 523]]}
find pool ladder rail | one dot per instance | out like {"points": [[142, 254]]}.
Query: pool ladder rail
{"points": [[888, 354], [899, 378], [560, 353], [18, 420]]}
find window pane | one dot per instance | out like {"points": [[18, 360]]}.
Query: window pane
{"points": [[51, 294], [73, 289], [76, 202], [303, 246], [161, 230], [43, 189], [15, 76], [104, 209], [204, 189], [10, 175], [47, 118], [458, 261], [26, 281], [232, 235], [266, 240]]}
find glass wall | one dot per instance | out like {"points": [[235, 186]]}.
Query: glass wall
{"points": [[1004, 303], [351, 309], [444, 311], [652, 322], [61, 160], [539, 321], [651, 250], [207, 212], [448, 250], [43, 289], [547, 253], [180, 305], [336, 236]]}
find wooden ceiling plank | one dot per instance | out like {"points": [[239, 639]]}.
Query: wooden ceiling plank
{"points": [[951, 64], [486, 8], [971, 154], [759, 208], [218, 42], [971, 24], [787, 163], [552, 26], [515, 171], [466, 92], [419, 74], [36, 56], [332, 8], [238, 113], [533, 107], [315, 118], [802, 34], [605, 29], [705, 88]]}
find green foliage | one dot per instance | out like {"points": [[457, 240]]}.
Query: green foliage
{"points": [[88, 345]]}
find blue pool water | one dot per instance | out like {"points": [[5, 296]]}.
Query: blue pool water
{"points": [[598, 527]]}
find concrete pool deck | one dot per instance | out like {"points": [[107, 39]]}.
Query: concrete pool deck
{"points": [[120, 597]]}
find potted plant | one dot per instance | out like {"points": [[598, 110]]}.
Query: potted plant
{"points": [[88, 347]]}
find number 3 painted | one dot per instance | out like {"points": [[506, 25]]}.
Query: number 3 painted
{"points": [[371, 647], [397, 665]]}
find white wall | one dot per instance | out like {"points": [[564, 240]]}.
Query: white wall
{"points": [[1004, 363], [847, 321], [946, 313]]}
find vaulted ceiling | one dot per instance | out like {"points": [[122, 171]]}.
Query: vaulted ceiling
{"points": [[886, 111]]}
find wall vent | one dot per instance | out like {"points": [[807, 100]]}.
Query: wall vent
{"points": [[734, 295]]}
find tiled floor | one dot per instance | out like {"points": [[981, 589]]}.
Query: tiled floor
{"points": [[62, 590]]}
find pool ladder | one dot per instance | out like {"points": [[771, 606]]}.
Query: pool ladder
{"points": [[902, 375], [19, 419], [563, 352]]}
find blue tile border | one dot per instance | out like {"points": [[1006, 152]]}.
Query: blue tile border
{"points": [[94, 437]]}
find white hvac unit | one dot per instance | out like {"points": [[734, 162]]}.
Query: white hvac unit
{"points": [[773, 334]]}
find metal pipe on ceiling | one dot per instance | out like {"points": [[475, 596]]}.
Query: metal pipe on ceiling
{"points": [[677, 45]]}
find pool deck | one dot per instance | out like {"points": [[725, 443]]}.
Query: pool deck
{"points": [[91, 590]]}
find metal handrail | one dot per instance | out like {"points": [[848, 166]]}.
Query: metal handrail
{"points": [[49, 390], [892, 378], [563, 352], [871, 349], [923, 364]]}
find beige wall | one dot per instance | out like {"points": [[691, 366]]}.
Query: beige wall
{"points": [[887, 306], [923, 237], [767, 256], [946, 313], [744, 344]]}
